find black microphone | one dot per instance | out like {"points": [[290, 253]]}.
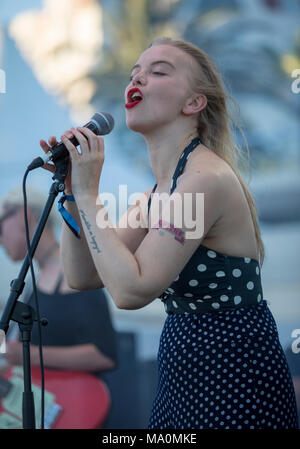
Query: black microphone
{"points": [[101, 123]]}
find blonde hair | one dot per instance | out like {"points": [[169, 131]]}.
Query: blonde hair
{"points": [[35, 202], [214, 122]]}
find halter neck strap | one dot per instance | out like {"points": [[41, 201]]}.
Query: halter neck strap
{"points": [[179, 168]]}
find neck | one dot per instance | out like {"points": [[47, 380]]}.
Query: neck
{"points": [[165, 148]]}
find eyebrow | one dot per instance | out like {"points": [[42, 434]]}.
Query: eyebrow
{"points": [[154, 63]]}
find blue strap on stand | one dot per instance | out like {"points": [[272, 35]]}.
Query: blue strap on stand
{"points": [[69, 220]]}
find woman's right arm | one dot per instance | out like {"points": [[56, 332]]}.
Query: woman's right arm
{"points": [[78, 264]]}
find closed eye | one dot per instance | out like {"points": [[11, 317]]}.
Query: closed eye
{"points": [[154, 73]]}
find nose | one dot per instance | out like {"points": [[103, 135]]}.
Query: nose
{"points": [[139, 78]]}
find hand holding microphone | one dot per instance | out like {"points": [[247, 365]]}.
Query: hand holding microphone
{"points": [[100, 124], [52, 142]]}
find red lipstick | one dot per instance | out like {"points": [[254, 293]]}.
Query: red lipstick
{"points": [[131, 102]]}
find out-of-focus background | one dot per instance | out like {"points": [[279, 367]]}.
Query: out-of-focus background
{"points": [[63, 60]]}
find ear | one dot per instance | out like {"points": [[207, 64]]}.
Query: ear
{"points": [[194, 104]]}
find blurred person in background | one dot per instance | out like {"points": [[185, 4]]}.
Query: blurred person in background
{"points": [[79, 335], [215, 364]]}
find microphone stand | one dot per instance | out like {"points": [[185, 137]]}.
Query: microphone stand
{"points": [[22, 313]]}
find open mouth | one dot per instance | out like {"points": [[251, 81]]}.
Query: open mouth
{"points": [[134, 96]]}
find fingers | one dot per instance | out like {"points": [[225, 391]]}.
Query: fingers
{"points": [[49, 167], [68, 134], [52, 141], [96, 143], [44, 146], [70, 147], [87, 140], [85, 144]]}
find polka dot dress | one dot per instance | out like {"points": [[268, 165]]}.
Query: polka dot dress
{"points": [[223, 370], [220, 362], [212, 281]]}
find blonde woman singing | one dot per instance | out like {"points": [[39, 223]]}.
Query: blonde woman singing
{"points": [[221, 365]]}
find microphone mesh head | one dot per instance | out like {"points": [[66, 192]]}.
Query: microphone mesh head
{"points": [[105, 122]]}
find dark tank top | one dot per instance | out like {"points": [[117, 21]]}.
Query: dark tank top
{"points": [[75, 318]]}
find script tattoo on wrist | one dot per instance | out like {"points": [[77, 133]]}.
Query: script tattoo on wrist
{"points": [[89, 228], [169, 227]]}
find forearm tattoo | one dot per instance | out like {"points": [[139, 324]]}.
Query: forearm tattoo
{"points": [[89, 228], [169, 227]]}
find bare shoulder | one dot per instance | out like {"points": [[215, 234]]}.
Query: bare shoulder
{"points": [[209, 163], [209, 172], [233, 233], [204, 160]]}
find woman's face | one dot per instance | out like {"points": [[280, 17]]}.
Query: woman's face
{"points": [[12, 236], [160, 84]]}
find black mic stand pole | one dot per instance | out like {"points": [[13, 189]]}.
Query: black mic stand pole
{"points": [[22, 313]]}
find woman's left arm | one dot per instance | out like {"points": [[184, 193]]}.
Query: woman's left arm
{"points": [[134, 280], [82, 357]]}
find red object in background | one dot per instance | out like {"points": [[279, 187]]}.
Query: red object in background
{"points": [[84, 399]]}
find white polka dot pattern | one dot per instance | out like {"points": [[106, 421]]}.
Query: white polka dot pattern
{"points": [[223, 371], [211, 254], [237, 300], [210, 276], [193, 282], [222, 282], [220, 362], [201, 267]]}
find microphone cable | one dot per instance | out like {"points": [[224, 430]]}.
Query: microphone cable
{"points": [[36, 302]]}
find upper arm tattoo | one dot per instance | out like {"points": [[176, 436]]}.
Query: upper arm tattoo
{"points": [[179, 234]]}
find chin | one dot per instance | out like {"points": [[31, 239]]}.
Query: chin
{"points": [[17, 256], [139, 126], [133, 124], [11, 255]]}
